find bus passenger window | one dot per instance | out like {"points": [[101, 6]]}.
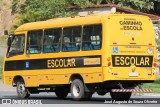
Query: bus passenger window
{"points": [[92, 37], [71, 39], [17, 46], [34, 42], [52, 40]]}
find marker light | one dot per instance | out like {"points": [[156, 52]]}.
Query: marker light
{"points": [[132, 43], [109, 63], [150, 44], [155, 64], [109, 59]]}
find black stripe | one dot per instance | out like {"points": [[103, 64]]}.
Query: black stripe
{"points": [[36, 64]]}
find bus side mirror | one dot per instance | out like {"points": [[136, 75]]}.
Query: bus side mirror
{"points": [[6, 32], [10, 39]]}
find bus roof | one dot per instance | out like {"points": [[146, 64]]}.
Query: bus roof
{"points": [[63, 22]]}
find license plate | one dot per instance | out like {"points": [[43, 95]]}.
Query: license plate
{"points": [[133, 74]]}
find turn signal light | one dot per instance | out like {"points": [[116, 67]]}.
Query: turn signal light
{"points": [[155, 60], [109, 59]]}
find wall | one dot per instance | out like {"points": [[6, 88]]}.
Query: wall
{"points": [[88, 11]]}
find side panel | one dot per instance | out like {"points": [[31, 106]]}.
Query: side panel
{"points": [[54, 68], [57, 70]]}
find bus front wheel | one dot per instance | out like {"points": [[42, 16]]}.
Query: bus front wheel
{"points": [[22, 91]]}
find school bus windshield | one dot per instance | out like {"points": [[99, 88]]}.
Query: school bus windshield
{"points": [[17, 46]]}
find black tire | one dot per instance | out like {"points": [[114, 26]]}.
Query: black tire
{"points": [[22, 91], [78, 91], [61, 92], [88, 96], [101, 93], [119, 96]]}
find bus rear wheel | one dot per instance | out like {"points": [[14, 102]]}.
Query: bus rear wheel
{"points": [[22, 91], [78, 91], [61, 92], [120, 95]]}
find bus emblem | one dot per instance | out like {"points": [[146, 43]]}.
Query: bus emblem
{"points": [[115, 50], [27, 64]]}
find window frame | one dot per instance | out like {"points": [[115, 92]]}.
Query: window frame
{"points": [[41, 43], [90, 36], [23, 34], [80, 26], [62, 37], [60, 43]]}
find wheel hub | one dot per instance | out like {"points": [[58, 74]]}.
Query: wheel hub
{"points": [[76, 90], [21, 89]]}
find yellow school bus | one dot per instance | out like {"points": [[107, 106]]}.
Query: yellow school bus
{"points": [[82, 55]]}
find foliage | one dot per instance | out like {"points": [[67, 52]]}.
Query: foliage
{"points": [[18, 6], [18, 20], [80, 3], [142, 5], [3, 41], [35, 10], [1, 64], [157, 81], [154, 86], [38, 10], [85, 3], [14, 5]]}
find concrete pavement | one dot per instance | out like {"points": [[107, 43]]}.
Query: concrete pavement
{"points": [[6, 88], [2, 51], [9, 92]]}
